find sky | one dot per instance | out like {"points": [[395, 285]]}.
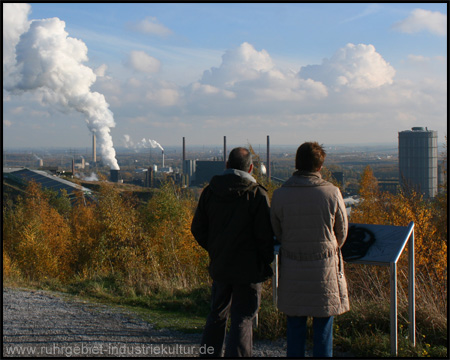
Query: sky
{"points": [[148, 74]]}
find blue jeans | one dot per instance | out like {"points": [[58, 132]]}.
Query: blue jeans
{"points": [[322, 338]]}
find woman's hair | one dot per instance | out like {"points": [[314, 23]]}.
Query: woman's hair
{"points": [[310, 156], [240, 158]]}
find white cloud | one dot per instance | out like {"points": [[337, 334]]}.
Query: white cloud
{"points": [[369, 10], [101, 70], [353, 66], [7, 123], [163, 96], [420, 20], [15, 23], [151, 26], [142, 62], [243, 63], [251, 77]]}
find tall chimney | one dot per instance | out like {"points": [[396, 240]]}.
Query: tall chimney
{"points": [[268, 158], [163, 159], [94, 149], [184, 157], [225, 151], [73, 166]]}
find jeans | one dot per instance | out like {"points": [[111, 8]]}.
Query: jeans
{"points": [[322, 336], [242, 302]]}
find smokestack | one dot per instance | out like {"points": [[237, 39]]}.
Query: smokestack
{"points": [[94, 149], [184, 150], [73, 166], [163, 158], [225, 151], [268, 158]]}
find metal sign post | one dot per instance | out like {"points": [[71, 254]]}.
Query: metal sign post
{"points": [[390, 241]]}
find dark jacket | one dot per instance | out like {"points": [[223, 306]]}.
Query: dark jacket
{"points": [[232, 222]]}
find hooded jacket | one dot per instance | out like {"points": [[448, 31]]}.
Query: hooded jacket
{"points": [[232, 222], [310, 220]]}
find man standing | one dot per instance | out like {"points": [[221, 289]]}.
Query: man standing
{"points": [[232, 222], [310, 220]]}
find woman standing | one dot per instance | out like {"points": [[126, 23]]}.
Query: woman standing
{"points": [[309, 219]]}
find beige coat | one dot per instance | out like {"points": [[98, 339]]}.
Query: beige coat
{"points": [[309, 219]]}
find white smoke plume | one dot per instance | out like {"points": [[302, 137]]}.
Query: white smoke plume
{"points": [[155, 144], [91, 177], [50, 62], [143, 144]]}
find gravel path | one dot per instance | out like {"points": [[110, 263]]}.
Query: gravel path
{"points": [[40, 323], [47, 324]]}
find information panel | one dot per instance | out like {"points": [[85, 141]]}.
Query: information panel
{"points": [[389, 244]]}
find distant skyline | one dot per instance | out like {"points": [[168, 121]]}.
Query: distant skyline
{"points": [[350, 73]]}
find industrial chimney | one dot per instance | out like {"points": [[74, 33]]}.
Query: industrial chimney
{"points": [[225, 152], [183, 164], [94, 149]]}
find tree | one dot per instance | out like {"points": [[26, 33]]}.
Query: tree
{"points": [[369, 211]]}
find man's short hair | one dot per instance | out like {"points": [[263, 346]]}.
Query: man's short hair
{"points": [[240, 159], [310, 156]]}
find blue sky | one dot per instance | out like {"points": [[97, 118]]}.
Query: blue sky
{"points": [[346, 73]]}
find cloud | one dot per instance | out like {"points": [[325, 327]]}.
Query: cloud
{"points": [[369, 10], [163, 96], [423, 20], [250, 77], [15, 23], [7, 123], [353, 66], [150, 26], [142, 62], [243, 63], [101, 70]]}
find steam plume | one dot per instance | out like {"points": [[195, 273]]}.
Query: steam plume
{"points": [[50, 62], [144, 143], [155, 144]]}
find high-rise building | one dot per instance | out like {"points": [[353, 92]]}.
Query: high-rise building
{"points": [[418, 154]]}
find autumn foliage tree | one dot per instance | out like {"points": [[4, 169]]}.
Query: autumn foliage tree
{"points": [[142, 247], [36, 237], [430, 227]]}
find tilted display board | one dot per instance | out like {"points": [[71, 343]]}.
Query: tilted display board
{"points": [[386, 249]]}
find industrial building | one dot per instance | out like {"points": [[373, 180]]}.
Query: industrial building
{"points": [[418, 160], [21, 177]]}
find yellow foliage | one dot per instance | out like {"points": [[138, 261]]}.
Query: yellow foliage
{"points": [[38, 237], [399, 210]]}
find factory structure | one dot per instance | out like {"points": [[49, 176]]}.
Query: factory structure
{"points": [[418, 166], [418, 160], [192, 172]]}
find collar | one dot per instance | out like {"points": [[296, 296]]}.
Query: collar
{"points": [[240, 173]]}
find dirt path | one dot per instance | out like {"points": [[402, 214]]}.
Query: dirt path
{"points": [[46, 324], [40, 323]]}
